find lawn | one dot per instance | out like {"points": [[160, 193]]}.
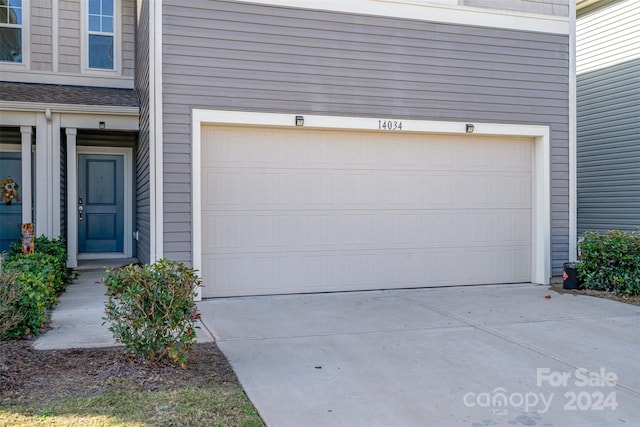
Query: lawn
{"points": [[105, 387]]}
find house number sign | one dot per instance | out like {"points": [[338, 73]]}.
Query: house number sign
{"points": [[389, 124]]}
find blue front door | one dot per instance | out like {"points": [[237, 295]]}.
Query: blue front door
{"points": [[11, 198], [100, 203]]}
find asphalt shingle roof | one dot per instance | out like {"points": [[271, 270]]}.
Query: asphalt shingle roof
{"points": [[62, 94]]}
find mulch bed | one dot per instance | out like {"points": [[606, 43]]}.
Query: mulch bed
{"points": [[635, 299], [31, 374]]}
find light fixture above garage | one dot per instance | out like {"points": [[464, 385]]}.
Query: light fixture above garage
{"points": [[470, 128], [299, 120]]}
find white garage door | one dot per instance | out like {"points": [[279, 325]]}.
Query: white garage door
{"points": [[296, 210]]}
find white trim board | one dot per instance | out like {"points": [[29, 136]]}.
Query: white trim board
{"points": [[447, 13], [541, 221]]}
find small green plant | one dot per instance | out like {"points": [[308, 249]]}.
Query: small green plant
{"points": [[610, 262], [152, 310]]}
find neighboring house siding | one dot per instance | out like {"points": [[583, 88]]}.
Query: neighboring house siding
{"points": [[41, 42], [142, 219], [238, 56], [543, 7], [69, 36], [608, 109]]}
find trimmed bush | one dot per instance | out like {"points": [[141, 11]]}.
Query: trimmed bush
{"points": [[10, 295], [52, 247], [30, 285], [610, 262], [38, 278], [152, 310]]}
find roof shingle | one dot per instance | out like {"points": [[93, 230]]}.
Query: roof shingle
{"points": [[62, 94]]}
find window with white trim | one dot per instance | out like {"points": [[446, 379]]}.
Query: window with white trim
{"points": [[101, 34], [11, 30]]}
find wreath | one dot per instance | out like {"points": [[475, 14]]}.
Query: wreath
{"points": [[9, 190]]}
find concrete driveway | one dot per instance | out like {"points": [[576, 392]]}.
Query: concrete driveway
{"points": [[465, 356]]}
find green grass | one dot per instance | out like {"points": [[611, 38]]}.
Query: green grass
{"points": [[224, 405]]}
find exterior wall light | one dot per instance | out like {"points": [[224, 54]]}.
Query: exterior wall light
{"points": [[299, 120], [102, 125], [470, 128]]}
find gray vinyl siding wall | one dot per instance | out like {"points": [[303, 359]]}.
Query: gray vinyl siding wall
{"points": [[128, 37], [142, 189], [41, 42], [70, 34], [239, 56], [608, 108]]}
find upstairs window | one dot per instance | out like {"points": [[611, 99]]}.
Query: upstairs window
{"points": [[101, 34], [11, 30]]}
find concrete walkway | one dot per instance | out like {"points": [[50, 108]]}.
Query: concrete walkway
{"points": [[467, 356], [76, 322]]}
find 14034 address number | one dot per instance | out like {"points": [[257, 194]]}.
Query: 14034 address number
{"points": [[389, 124]]}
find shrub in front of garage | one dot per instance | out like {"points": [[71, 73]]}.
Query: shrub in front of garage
{"points": [[610, 262], [152, 310]]}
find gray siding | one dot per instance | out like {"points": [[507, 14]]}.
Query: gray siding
{"points": [[238, 56], [69, 36], [142, 220], [608, 101], [41, 42], [128, 37], [63, 183]]}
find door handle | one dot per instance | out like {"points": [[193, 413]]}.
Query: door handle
{"points": [[80, 210]]}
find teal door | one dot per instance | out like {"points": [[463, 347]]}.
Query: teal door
{"points": [[100, 203], [11, 199]]}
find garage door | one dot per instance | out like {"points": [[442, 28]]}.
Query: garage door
{"points": [[298, 210]]}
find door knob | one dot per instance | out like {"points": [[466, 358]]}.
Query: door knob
{"points": [[80, 210]]}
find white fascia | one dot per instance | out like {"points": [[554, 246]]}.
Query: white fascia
{"points": [[427, 11], [541, 222], [573, 181], [68, 108]]}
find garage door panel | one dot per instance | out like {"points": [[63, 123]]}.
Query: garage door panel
{"points": [[304, 211]]}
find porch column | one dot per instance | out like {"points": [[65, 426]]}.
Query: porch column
{"points": [[42, 177], [72, 199], [25, 132], [56, 205]]}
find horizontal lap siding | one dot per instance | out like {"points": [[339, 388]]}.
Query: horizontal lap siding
{"points": [[143, 205], [238, 56], [608, 106]]}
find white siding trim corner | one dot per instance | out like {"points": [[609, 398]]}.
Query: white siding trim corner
{"points": [[156, 187], [573, 204]]}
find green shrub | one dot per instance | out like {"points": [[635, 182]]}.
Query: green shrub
{"points": [[610, 262], [10, 295], [52, 247], [38, 278], [152, 310]]}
